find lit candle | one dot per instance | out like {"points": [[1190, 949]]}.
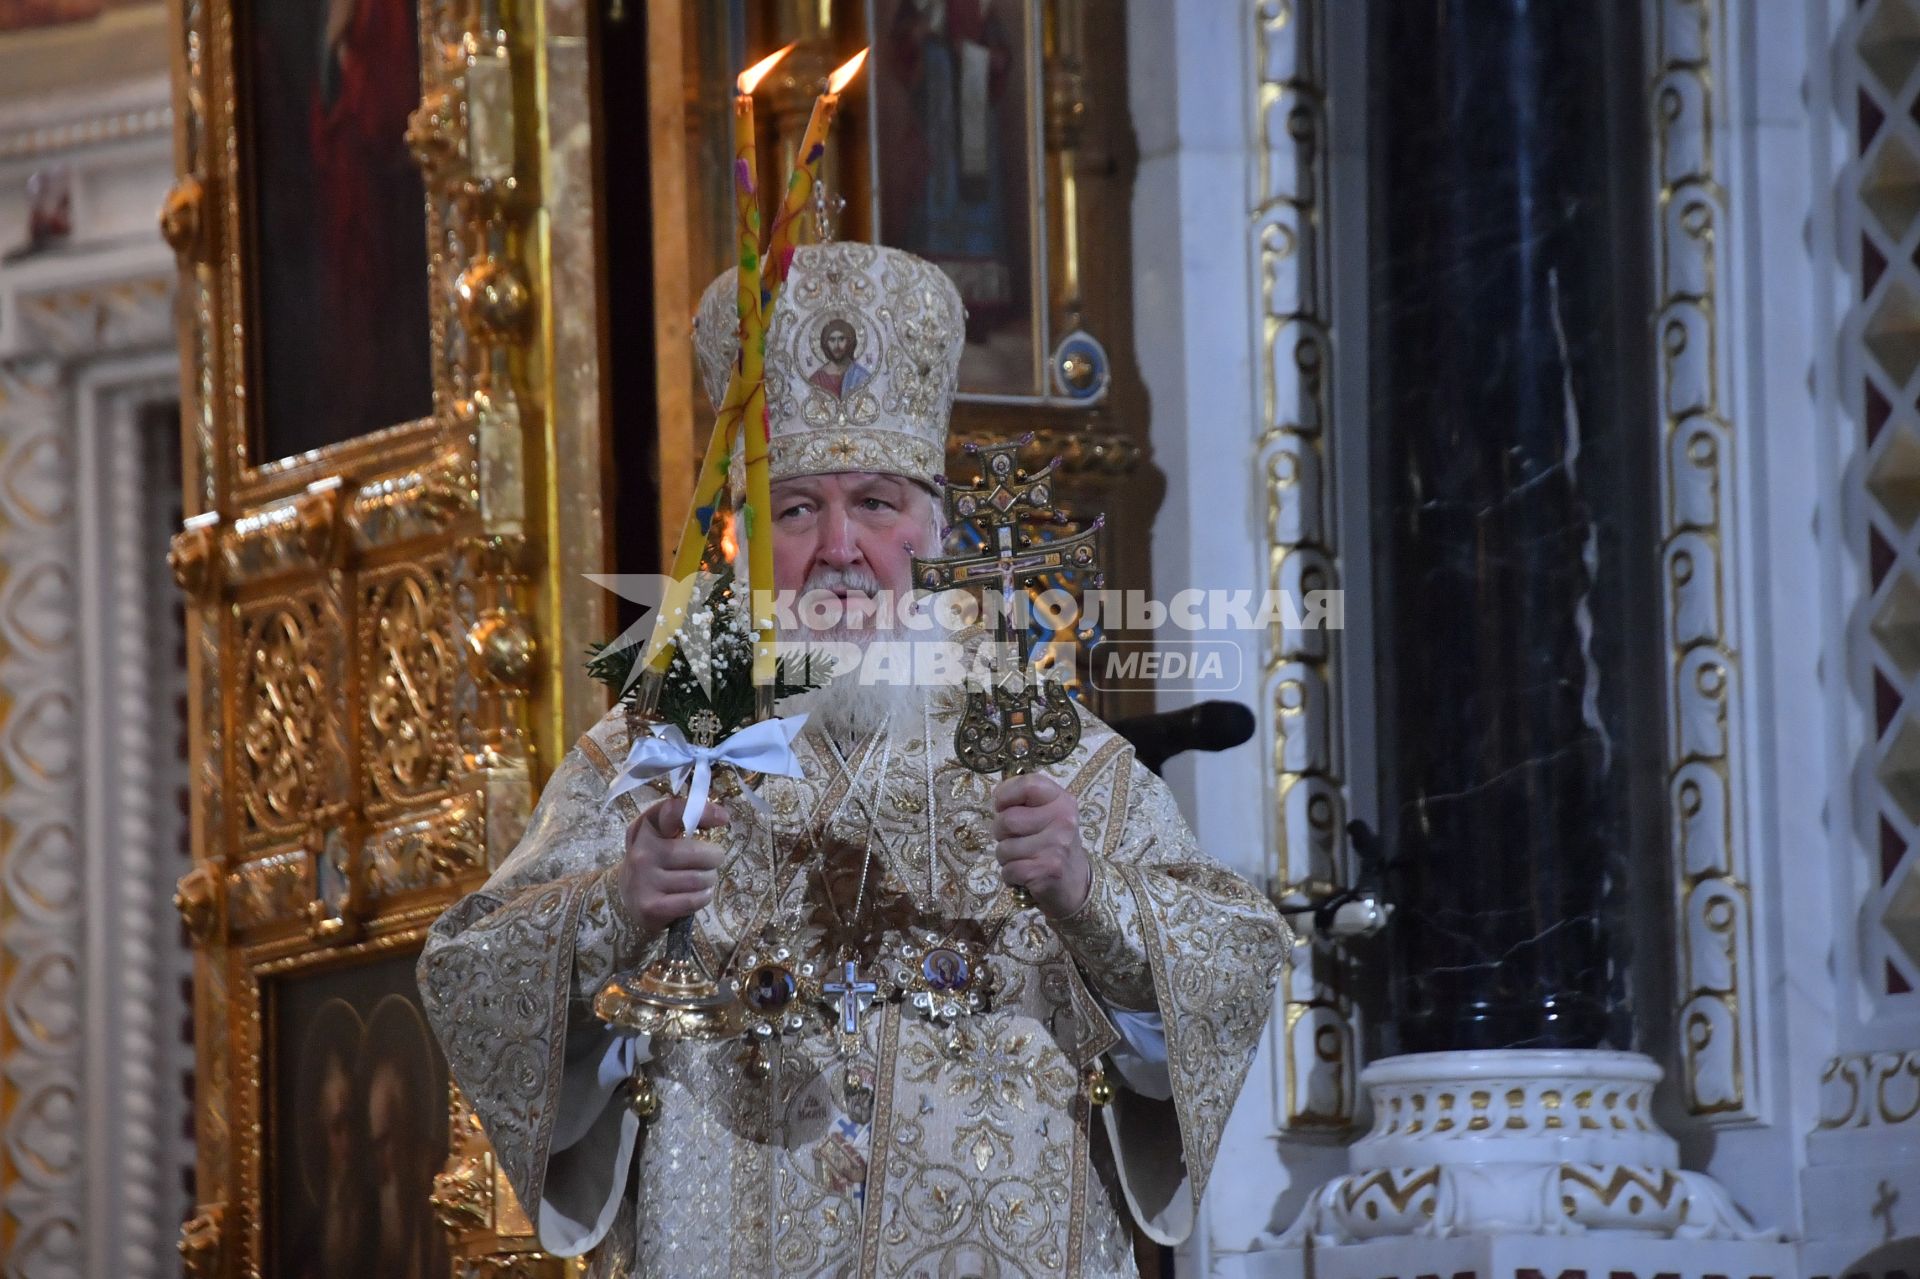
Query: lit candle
{"points": [[746, 370], [786, 229], [746, 200], [806, 172]]}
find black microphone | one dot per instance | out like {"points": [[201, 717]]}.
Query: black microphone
{"points": [[1204, 726]]}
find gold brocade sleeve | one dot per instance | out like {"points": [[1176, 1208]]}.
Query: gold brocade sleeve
{"points": [[1212, 947], [1106, 939], [510, 967]]}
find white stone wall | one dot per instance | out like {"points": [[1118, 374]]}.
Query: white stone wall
{"points": [[91, 828]]}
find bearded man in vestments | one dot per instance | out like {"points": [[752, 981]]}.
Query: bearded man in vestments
{"points": [[946, 1123]]}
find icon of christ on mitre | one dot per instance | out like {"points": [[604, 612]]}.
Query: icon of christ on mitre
{"points": [[983, 1021]]}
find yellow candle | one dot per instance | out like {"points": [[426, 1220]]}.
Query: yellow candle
{"points": [[806, 172], [746, 373], [760, 533], [786, 230]]}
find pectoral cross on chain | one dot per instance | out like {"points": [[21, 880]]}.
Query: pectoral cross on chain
{"points": [[1011, 728], [848, 992]]}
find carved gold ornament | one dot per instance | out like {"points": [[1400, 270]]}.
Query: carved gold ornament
{"points": [[201, 1239], [493, 300], [1706, 768], [410, 668], [284, 696], [318, 516], [1296, 459], [463, 1190], [192, 557], [500, 649], [183, 222], [433, 131], [197, 898]]}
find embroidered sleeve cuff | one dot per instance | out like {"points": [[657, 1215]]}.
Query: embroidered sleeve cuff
{"points": [[1105, 938], [609, 941]]}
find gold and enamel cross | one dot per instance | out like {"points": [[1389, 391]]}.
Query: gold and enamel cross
{"points": [[1008, 729]]}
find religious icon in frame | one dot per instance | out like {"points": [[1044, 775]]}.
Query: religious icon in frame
{"points": [[336, 222], [358, 1128], [954, 115]]}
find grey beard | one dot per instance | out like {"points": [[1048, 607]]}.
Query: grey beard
{"points": [[847, 710], [849, 707]]}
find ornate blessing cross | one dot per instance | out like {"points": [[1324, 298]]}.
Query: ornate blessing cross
{"points": [[1000, 732]]}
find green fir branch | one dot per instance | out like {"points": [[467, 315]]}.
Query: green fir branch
{"points": [[728, 691]]}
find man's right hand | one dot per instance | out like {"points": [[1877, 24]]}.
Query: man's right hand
{"points": [[666, 875]]}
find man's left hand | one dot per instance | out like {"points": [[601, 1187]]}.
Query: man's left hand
{"points": [[1036, 826]]}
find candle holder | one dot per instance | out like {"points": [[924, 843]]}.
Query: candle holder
{"points": [[674, 997]]}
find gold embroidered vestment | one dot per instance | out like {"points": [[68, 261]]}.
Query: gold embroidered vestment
{"points": [[981, 1153]]}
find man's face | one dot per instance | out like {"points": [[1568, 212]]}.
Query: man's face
{"points": [[837, 343], [851, 535]]}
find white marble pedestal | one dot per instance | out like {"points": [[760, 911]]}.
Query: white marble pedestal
{"points": [[1518, 1164]]}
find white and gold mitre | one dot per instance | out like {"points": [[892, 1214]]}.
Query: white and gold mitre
{"points": [[863, 351]]}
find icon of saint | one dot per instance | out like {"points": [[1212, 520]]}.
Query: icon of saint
{"points": [[772, 988], [946, 970]]}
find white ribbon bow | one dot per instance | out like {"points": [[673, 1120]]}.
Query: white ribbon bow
{"points": [[765, 747]]}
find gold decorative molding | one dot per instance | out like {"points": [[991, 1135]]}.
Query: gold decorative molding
{"points": [[183, 220], [1293, 457], [370, 705], [1870, 1090], [416, 503], [444, 847], [408, 666], [197, 898], [1699, 550], [273, 889], [201, 1242], [193, 557], [1064, 108], [475, 1205]]}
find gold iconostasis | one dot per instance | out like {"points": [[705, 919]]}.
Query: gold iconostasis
{"points": [[438, 266]]}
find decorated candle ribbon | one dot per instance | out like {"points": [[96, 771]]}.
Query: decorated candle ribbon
{"points": [[765, 747]]}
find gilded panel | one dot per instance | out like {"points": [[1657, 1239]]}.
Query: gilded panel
{"points": [[370, 717], [288, 739], [408, 658]]}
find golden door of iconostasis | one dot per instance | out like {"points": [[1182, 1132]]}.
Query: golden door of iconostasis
{"points": [[438, 263]]}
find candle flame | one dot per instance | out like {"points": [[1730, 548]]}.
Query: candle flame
{"points": [[729, 545], [757, 72], [846, 71]]}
